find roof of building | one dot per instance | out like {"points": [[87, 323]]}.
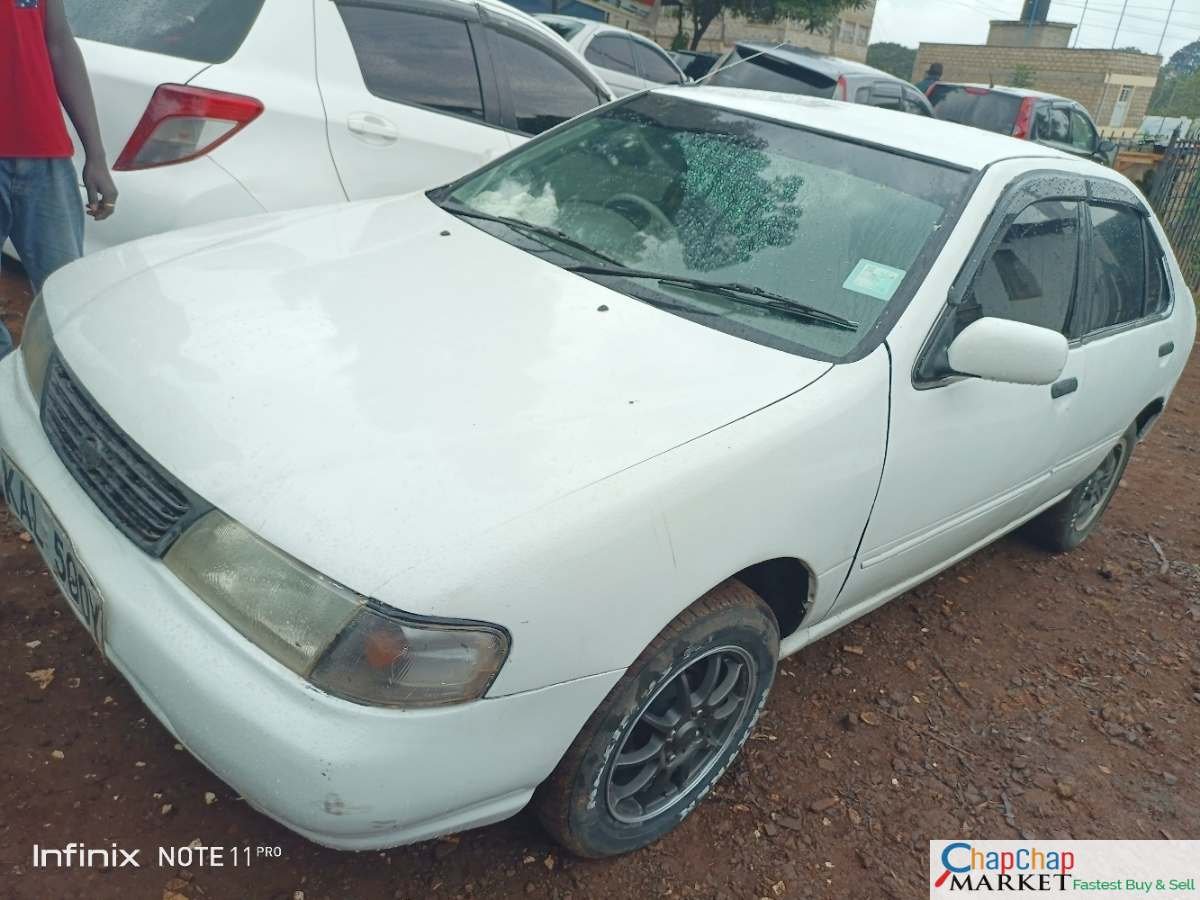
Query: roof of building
{"points": [[959, 145]]}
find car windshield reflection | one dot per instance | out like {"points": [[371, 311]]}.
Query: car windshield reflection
{"points": [[668, 185]]}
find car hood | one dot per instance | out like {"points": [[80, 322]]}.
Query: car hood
{"points": [[368, 384]]}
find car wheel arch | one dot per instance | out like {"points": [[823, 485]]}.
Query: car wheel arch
{"points": [[1146, 418], [787, 585]]}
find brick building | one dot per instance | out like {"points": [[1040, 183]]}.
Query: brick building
{"points": [[1114, 85]]}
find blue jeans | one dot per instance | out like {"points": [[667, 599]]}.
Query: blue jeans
{"points": [[41, 210]]}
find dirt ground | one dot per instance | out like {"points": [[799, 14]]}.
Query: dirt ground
{"points": [[1017, 695]]}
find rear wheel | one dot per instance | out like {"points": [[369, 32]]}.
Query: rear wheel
{"points": [[667, 730], [1067, 524]]}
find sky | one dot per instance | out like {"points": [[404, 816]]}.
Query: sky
{"points": [[909, 22]]}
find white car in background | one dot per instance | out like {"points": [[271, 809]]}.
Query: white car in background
{"points": [[402, 513], [213, 109], [628, 62]]}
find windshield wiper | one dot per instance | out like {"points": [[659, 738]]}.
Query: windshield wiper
{"points": [[746, 294], [521, 225]]}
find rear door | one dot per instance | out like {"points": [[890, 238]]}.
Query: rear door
{"points": [[166, 42], [410, 94], [1120, 325], [655, 67], [612, 56]]}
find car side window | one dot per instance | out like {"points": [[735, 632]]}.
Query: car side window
{"points": [[544, 90], [1030, 276], [1053, 124], [1158, 283], [654, 65], [1116, 291], [409, 57], [611, 51], [886, 95], [1083, 134], [913, 104]]}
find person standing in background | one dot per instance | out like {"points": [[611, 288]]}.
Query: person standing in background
{"points": [[40, 210], [932, 76]]}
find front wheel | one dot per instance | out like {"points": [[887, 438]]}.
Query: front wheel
{"points": [[667, 730], [1065, 525]]}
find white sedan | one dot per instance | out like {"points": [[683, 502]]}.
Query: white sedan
{"points": [[213, 109], [404, 513]]}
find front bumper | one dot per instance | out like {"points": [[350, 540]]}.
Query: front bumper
{"points": [[343, 775]]}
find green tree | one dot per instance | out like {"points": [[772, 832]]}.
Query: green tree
{"points": [[1181, 98], [814, 15], [1023, 76], [1184, 63], [893, 58]]}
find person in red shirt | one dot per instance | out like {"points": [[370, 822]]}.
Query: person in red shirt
{"points": [[40, 207]]}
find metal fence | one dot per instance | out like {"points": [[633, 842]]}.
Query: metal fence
{"points": [[1175, 196]]}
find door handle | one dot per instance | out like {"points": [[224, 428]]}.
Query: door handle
{"points": [[1166, 349], [372, 129], [1064, 387]]}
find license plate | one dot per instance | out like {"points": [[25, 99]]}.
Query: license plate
{"points": [[69, 573]]}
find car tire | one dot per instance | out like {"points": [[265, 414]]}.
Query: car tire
{"points": [[1067, 524], [723, 648]]}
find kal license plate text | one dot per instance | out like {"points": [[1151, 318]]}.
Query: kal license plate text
{"points": [[73, 579]]}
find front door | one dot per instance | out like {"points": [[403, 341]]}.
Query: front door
{"points": [[612, 56], [968, 458], [404, 103]]}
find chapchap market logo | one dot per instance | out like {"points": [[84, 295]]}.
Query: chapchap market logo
{"points": [[966, 867]]}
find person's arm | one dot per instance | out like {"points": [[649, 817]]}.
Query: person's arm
{"points": [[75, 91]]}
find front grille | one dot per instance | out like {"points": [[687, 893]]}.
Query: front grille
{"points": [[136, 494]]}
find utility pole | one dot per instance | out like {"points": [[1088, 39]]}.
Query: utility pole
{"points": [[1124, 6], [1158, 52], [1079, 27], [1033, 14]]}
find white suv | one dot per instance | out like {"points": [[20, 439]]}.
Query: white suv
{"points": [[219, 108]]}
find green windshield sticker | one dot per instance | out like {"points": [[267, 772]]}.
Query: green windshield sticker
{"points": [[874, 279]]}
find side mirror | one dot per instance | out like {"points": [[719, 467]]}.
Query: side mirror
{"points": [[1014, 352]]}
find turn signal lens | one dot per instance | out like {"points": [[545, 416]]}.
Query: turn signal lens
{"points": [[37, 343], [386, 658]]}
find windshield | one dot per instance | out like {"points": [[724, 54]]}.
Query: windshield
{"points": [[203, 30], [758, 71], [565, 30], [670, 186], [980, 107]]}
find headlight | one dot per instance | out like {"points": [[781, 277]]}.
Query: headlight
{"points": [[344, 643], [37, 343]]}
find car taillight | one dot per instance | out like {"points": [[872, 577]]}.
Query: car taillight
{"points": [[184, 122], [1024, 119], [842, 92]]}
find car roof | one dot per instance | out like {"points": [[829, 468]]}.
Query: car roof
{"points": [[1006, 89], [831, 66], [958, 145], [592, 26], [498, 8]]}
